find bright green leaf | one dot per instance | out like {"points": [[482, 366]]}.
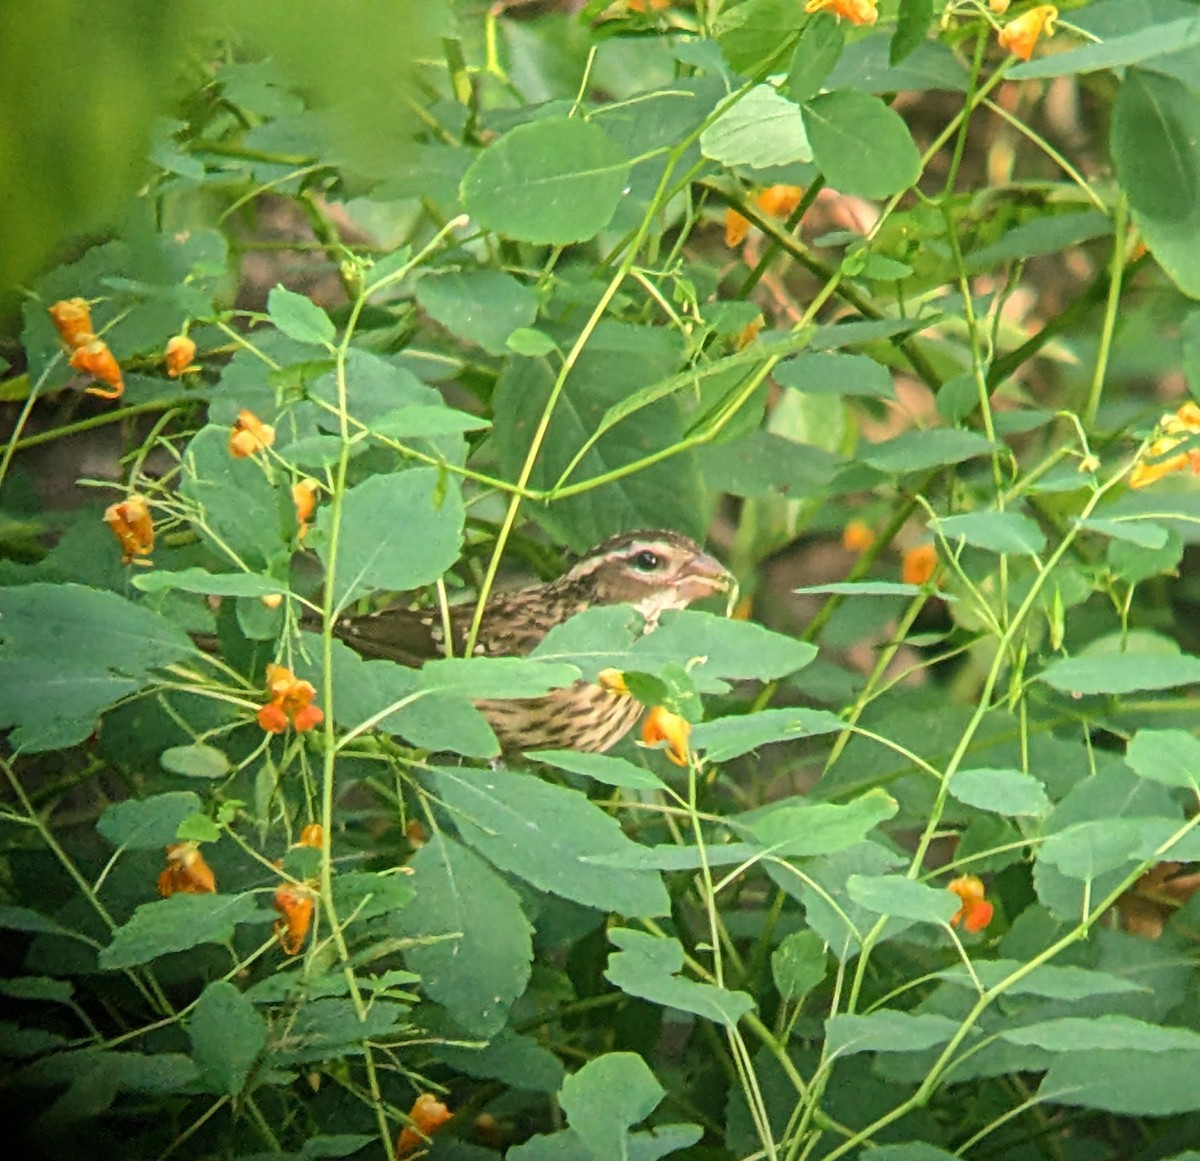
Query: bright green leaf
{"points": [[1004, 791], [887, 1031], [862, 146], [1171, 757], [904, 898], [146, 824], [1003, 532], [195, 761], [606, 1097], [299, 318], [760, 130]]}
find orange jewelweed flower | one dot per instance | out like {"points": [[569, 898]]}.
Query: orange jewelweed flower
{"points": [[661, 725], [94, 358], [777, 201], [857, 536], [180, 353], [999, 7], [428, 1114], [187, 873], [249, 435], [856, 11], [919, 565], [304, 496], [976, 912], [1174, 430], [737, 226], [291, 701], [72, 318], [132, 526], [1021, 35], [313, 835], [295, 905]]}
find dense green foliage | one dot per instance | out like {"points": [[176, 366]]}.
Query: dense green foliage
{"points": [[516, 318]]}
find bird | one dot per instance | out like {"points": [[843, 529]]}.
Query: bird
{"points": [[652, 571]]}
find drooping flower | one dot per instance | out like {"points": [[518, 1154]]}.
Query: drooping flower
{"points": [[919, 565], [133, 527], [856, 11], [180, 353], [614, 681], [291, 702], [427, 1115], [976, 912], [186, 873], [1019, 36], [295, 906], [249, 435], [94, 358], [304, 496], [1174, 429], [777, 201], [313, 835], [857, 536], [999, 7], [72, 318], [662, 725]]}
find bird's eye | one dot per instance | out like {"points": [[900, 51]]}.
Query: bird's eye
{"points": [[646, 561]]}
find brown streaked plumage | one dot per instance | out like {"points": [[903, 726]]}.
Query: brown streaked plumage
{"points": [[652, 571]]}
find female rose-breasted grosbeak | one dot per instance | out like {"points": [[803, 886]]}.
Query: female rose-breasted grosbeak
{"points": [[652, 571]]}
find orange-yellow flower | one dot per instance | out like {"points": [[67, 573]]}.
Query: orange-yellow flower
{"points": [[132, 526], [856, 11], [295, 905], [313, 835], [999, 7], [749, 333], [919, 565], [976, 912], [428, 1114], [777, 201], [249, 435], [291, 702], [187, 873], [180, 352], [857, 536], [1174, 430], [643, 5], [304, 496], [72, 318], [94, 358], [1021, 35], [661, 725]]}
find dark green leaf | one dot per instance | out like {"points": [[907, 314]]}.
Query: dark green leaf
{"points": [[478, 306], [918, 451], [799, 964], [147, 824], [195, 761], [1124, 1081], [217, 584], [1088, 1034], [227, 1036], [1048, 980], [1171, 757], [794, 828], [756, 35], [1003, 791], [299, 318], [606, 1097], [816, 54], [834, 374], [912, 28], [727, 738], [176, 924], [1003, 532], [543, 833], [603, 767], [1116, 673], [1161, 39], [904, 898], [862, 146], [886, 1031]]}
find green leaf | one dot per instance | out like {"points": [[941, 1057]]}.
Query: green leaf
{"points": [[1047, 980], [366, 894], [1089, 849], [67, 653], [531, 343], [912, 27], [1162, 38], [1002, 791], [1003, 532], [482, 306], [1048, 234], [905, 898], [1133, 1083], [603, 767], [756, 35], [198, 828], [502, 677], [918, 451], [1141, 532], [833, 374], [606, 1097], [1126, 673], [147, 824], [647, 967], [672, 857], [862, 146], [471, 940], [1155, 124], [422, 421], [1171, 757], [799, 964], [816, 54], [24, 919], [794, 828], [553, 181], [227, 1036], [863, 589], [195, 761], [1107, 1030], [887, 1031], [299, 318], [217, 584], [175, 924], [908, 1151], [519, 1061], [325, 1028], [543, 833], [376, 551], [726, 738], [38, 988], [761, 130]]}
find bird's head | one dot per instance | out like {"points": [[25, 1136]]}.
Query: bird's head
{"points": [[653, 571]]}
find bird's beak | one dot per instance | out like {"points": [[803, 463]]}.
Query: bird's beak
{"points": [[704, 575]]}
